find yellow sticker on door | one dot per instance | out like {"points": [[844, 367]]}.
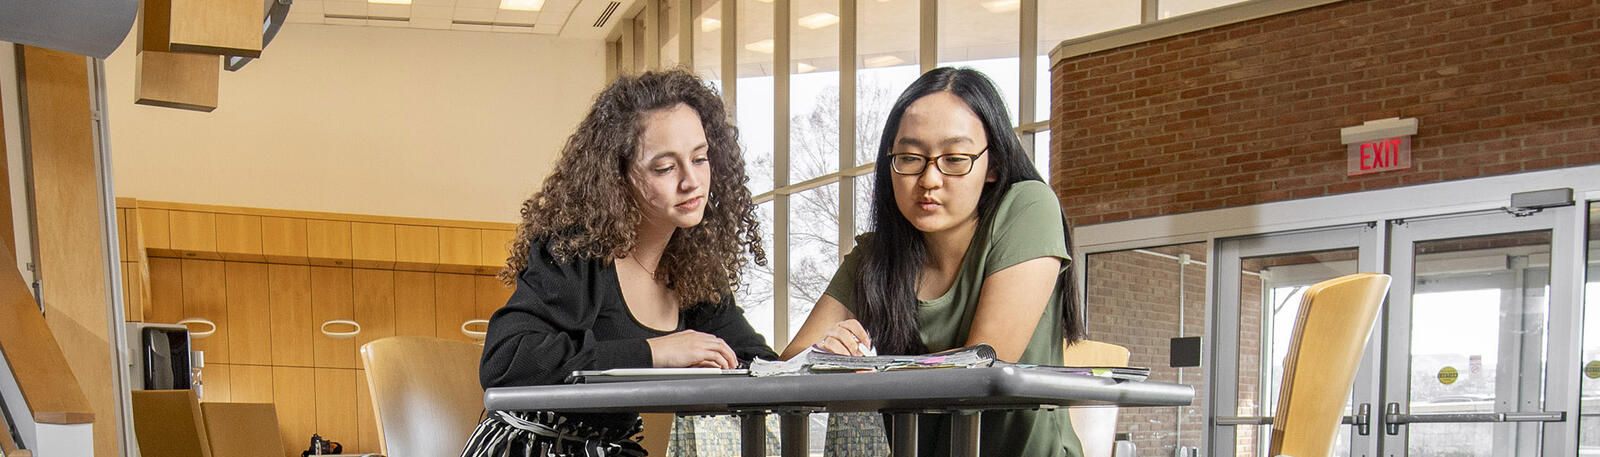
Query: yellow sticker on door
{"points": [[1592, 369], [1448, 375]]}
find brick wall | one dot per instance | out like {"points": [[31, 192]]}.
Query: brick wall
{"points": [[1250, 112]]}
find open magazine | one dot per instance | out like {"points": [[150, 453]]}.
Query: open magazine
{"points": [[814, 361]]}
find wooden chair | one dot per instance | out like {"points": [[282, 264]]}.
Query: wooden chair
{"points": [[167, 423], [1335, 319], [425, 394], [1096, 426], [242, 429]]}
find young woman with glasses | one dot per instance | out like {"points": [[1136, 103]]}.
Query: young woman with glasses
{"points": [[968, 246]]}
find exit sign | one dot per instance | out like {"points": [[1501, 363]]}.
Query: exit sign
{"points": [[1378, 155]]}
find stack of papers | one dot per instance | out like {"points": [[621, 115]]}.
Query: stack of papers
{"points": [[812, 361], [1118, 373]]}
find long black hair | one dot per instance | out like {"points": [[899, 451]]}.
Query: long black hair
{"points": [[886, 282]]}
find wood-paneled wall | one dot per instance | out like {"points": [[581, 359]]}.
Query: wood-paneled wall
{"points": [[270, 308]]}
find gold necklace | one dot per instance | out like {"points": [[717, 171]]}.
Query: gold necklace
{"points": [[641, 266]]}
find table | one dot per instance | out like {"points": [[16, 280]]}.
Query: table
{"points": [[962, 392]]}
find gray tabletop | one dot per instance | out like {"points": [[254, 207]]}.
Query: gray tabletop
{"points": [[941, 389]]}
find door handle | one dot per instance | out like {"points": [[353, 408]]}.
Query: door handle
{"points": [[1361, 419], [1392, 418]]}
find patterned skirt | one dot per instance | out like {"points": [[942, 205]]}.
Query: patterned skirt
{"points": [[547, 434]]}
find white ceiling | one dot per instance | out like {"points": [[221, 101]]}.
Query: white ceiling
{"points": [[469, 15]]}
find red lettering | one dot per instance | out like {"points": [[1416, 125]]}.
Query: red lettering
{"points": [[1394, 152], [1366, 154]]}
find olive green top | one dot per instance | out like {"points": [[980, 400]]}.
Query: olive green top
{"points": [[1027, 225]]}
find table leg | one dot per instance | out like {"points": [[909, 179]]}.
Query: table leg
{"points": [[964, 434], [794, 430], [905, 435], [753, 434]]}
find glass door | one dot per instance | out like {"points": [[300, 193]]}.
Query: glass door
{"points": [[1260, 282], [1468, 357]]}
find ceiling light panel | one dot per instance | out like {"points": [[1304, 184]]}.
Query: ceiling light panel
{"points": [[522, 5], [710, 25], [389, 2], [1002, 6], [763, 46], [882, 61], [818, 20]]}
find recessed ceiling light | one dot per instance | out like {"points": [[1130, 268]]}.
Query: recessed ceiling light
{"points": [[882, 61], [765, 1], [390, 2], [521, 5], [819, 20], [763, 46], [1002, 6], [803, 67], [709, 24]]}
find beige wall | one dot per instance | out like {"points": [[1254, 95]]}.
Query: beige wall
{"points": [[370, 120]]}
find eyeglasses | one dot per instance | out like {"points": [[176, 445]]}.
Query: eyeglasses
{"points": [[953, 164]]}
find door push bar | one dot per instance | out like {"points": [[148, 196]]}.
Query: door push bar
{"points": [[1392, 419], [1362, 419]]}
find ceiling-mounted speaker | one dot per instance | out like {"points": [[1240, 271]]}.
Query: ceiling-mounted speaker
{"points": [[92, 28]]}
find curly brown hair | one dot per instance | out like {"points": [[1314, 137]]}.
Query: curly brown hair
{"points": [[578, 213]]}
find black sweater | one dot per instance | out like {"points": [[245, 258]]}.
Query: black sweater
{"points": [[567, 316]]}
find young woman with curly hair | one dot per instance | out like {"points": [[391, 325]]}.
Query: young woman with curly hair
{"points": [[625, 258], [968, 246]]}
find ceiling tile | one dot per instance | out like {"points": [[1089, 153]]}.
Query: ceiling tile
{"points": [[547, 29], [471, 27], [517, 17], [491, 4], [432, 12], [381, 10], [475, 14], [343, 8], [502, 28], [436, 23], [433, 2], [343, 21]]}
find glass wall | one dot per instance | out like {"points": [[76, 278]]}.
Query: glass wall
{"points": [[1141, 299]]}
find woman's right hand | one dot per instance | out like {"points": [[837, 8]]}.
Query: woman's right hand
{"points": [[845, 337], [690, 348]]}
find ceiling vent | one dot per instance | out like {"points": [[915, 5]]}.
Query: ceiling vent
{"points": [[606, 15]]}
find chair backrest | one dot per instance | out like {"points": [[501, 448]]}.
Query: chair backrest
{"points": [[1096, 426], [425, 394], [1335, 319], [167, 423], [242, 429]]}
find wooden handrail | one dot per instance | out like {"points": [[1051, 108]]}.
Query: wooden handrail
{"points": [[128, 202], [8, 447], [48, 386]]}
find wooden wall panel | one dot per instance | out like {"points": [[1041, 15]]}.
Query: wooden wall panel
{"points": [[374, 306], [416, 247], [194, 234], [294, 394], [249, 314], [239, 237], [460, 249], [328, 242], [205, 296], [496, 248], [414, 313], [491, 295], [250, 384], [283, 240], [455, 303], [372, 245], [154, 230], [214, 383], [332, 299], [289, 294], [69, 207], [336, 406], [166, 291]]}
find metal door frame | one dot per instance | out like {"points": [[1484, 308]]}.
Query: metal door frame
{"points": [[1369, 241], [1564, 318]]}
